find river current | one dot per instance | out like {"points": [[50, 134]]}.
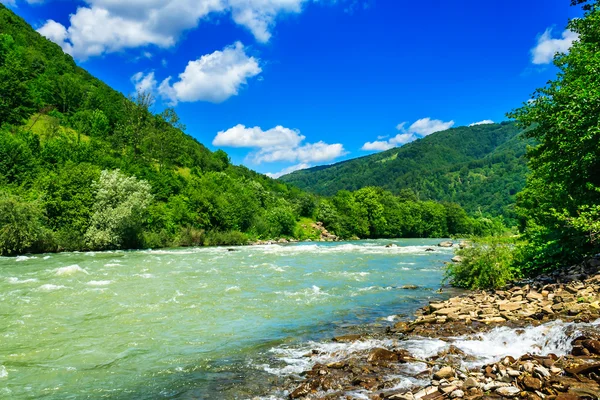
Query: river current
{"points": [[196, 322]]}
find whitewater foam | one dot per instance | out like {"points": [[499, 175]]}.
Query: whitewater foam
{"points": [[69, 270], [50, 287], [14, 280], [99, 283], [484, 348]]}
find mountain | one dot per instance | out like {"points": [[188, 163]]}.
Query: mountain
{"points": [[61, 130], [82, 167], [480, 167]]}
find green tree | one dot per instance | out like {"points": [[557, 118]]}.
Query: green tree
{"points": [[120, 202], [21, 227], [559, 204]]}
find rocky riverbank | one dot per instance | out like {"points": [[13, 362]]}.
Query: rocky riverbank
{"points": [[564, 365]]}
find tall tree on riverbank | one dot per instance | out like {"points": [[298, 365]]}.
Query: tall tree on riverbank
{"points": [[560, 205]]}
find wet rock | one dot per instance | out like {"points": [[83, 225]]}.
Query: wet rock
{"points": [[446, 244], [379, 355], [409, 287], [347, 338], [593, 346], [532, 383], [444, 373]]}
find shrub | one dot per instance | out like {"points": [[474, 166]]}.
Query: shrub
{"points": [[487, 263], [118, 211], [230, 238], [21, 227], [189, 236]]}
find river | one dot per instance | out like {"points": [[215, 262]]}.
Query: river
{"points": [[195, 323]]}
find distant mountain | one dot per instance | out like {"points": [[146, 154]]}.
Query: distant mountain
{"points": [[480, 167]]}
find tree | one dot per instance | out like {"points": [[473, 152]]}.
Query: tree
{"points": [[120, 202], [563, 190], [20, 225]]}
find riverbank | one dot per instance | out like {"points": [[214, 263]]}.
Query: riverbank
{"points": [[552, 319]]}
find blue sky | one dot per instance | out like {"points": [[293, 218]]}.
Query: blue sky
{"points": [[284, 84]]}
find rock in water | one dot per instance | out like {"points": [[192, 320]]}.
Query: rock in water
{"points": [[444, 373], [446, 244]]}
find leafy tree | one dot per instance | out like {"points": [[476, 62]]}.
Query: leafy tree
{"points": [[558, 207], [21, 227], [120, 202]]}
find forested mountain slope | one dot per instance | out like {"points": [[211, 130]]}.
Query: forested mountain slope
{"points": [[82, 167], [480, 167]]}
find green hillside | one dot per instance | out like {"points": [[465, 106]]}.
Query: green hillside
{"points": [[480, 167], [82, 167]]}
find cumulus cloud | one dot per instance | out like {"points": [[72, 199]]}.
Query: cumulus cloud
{"points": [[106, 26], [547, 47], [213, 77], [144, 83], [420, 128], [278, 144], [484, 122], [288, 170], [427, 126]]}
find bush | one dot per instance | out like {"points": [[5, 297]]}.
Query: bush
{"points": [[21, 227], [189, 236], [231, 238], [118, 211], [487, 263]]}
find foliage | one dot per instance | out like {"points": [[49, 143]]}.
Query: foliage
{"points": [[21, 227], [480, 167], [558, 208], [117, 213], [487, 263]]}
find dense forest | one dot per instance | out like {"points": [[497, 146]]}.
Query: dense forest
{"points": [[84, 167], [481, 168]]}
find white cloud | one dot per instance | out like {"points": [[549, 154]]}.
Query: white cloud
{"points": [[421, 128], [310, 152], [278, 144], [213, 77], [240, 136], [427, 126], [107, 26], [378, 145], [288, 170], [144, 83], [484, 122], [547, 47]]}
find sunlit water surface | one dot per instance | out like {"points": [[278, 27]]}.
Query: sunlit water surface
{"points": [[194, 323]]}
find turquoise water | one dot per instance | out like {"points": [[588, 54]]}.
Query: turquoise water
{"points": [[193, 323]]}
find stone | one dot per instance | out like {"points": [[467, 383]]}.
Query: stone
{"points": [[379, 354], [541, 371], [457, 259], [449, 310], [510, 306], [532, 383], [347, 338], [457, 394], [444, 373], [446, 244], [592, 345], [409, 287], [508, 391], [471, 383]]}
